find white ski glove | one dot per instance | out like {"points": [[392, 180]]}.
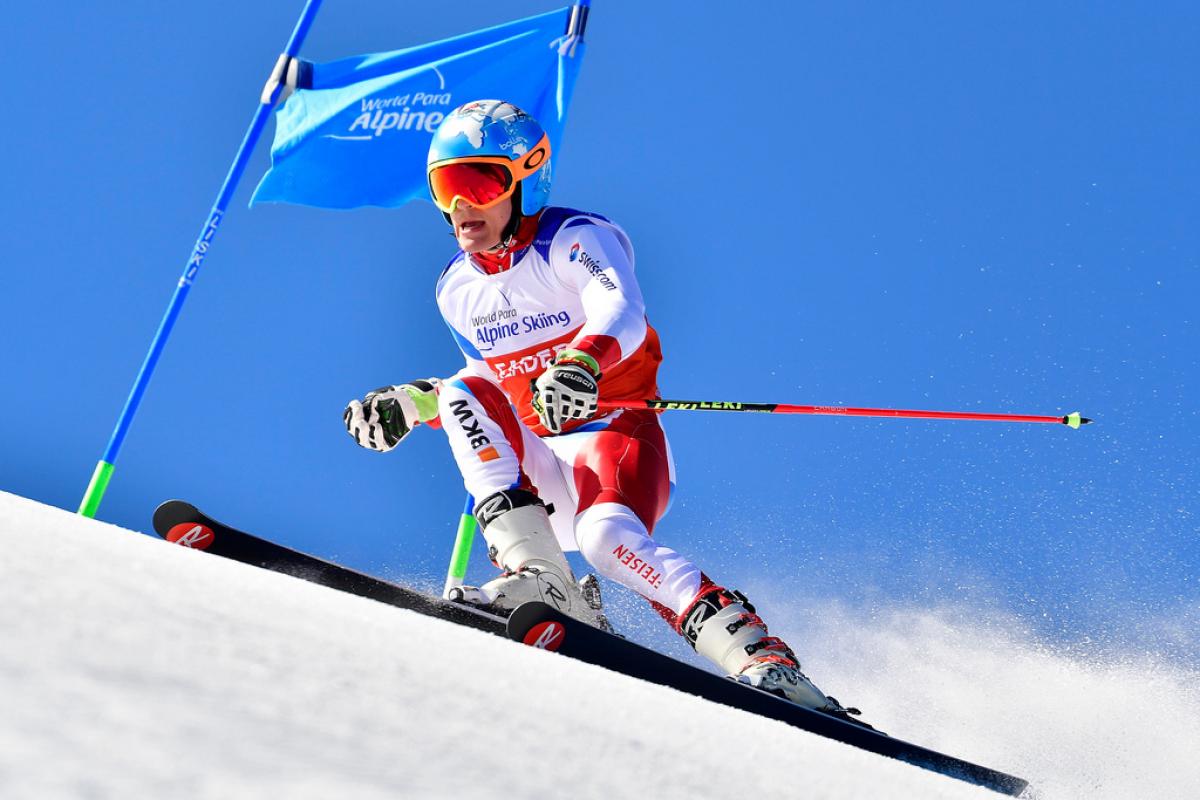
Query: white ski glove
{"points": [[568, 390], [386, 415]]}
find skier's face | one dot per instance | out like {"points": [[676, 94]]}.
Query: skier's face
{"points": [[479, 229]]}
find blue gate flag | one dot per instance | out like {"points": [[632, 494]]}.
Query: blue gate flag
{"points": [[359, 134]]}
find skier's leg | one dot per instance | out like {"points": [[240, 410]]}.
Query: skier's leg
{"points": [[509, 471], [723, 627], [622, 475], [615, 541], [619, 471]]}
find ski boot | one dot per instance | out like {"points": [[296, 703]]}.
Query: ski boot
{"points": [[721, 626], [521, 542]]}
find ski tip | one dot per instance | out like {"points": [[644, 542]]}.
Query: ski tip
{"points": [[1074, 420]]}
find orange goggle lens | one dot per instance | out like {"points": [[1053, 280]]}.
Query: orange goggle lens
{"points": [[481, 185]]}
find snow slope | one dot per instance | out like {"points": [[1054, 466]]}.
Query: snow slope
{"points": [[133, 668]]}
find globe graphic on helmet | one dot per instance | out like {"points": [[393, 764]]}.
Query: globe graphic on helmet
{"points": [[495, 132]]}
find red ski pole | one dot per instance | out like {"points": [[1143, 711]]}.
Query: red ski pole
{"points": [[1073, 420]]}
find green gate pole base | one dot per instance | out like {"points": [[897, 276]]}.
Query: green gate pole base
{"points": [[461, 555], [96, 489]]}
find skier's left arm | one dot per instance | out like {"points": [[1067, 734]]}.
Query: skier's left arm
{"points": [[596, 262]]}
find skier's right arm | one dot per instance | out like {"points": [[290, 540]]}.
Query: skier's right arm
{"points": [[385, 416]]}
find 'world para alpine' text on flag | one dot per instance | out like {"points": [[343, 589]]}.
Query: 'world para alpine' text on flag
{"points": [[356, 131]]}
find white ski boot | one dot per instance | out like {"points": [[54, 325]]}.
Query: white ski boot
{"points": [[522, 543], [722, 626]]}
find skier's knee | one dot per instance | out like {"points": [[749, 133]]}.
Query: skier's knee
{"points": [[595, 529], [608, 532]]}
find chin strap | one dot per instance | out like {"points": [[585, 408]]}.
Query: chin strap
{"points": [[500, 257], [509, 235], [508, 239]]}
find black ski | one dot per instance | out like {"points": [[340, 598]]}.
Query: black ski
{"points": [[184, 524], [540, 625]]}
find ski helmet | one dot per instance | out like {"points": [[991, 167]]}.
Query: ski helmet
{"points": [[485, 151]]}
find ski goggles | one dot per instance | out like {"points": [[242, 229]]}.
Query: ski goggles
{"points": [[483, 181]]}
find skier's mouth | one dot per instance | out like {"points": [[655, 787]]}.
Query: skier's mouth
{"points": [[470, 225]]}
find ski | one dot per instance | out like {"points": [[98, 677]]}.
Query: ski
{"points": [[542, 626], [184, 524]]}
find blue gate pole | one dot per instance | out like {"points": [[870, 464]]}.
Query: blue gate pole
{"points": [[270, 96]]}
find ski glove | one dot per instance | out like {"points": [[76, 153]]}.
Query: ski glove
{"points": [[386, 415], [568, 390]]}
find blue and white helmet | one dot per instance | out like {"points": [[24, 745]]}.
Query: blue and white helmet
{"points": [[497, 132]]}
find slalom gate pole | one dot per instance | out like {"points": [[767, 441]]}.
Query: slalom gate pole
{"points": [[462, 548], [270, 96], [1072, 420]]}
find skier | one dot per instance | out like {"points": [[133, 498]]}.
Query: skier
{"points": [[545, 308]]}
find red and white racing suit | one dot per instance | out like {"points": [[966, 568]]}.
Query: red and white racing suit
{"points": [[607, 480]]}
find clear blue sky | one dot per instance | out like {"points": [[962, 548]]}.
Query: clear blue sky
{"points": [[953, 207]]}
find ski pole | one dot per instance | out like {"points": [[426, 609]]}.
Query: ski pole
{"points": [[1072, 420]]}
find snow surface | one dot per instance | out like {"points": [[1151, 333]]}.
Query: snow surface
{"points": [[132, 668]]}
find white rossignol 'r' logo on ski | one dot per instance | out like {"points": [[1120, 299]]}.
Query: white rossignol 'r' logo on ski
{"points": [[546, 636], [191, 534]]}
